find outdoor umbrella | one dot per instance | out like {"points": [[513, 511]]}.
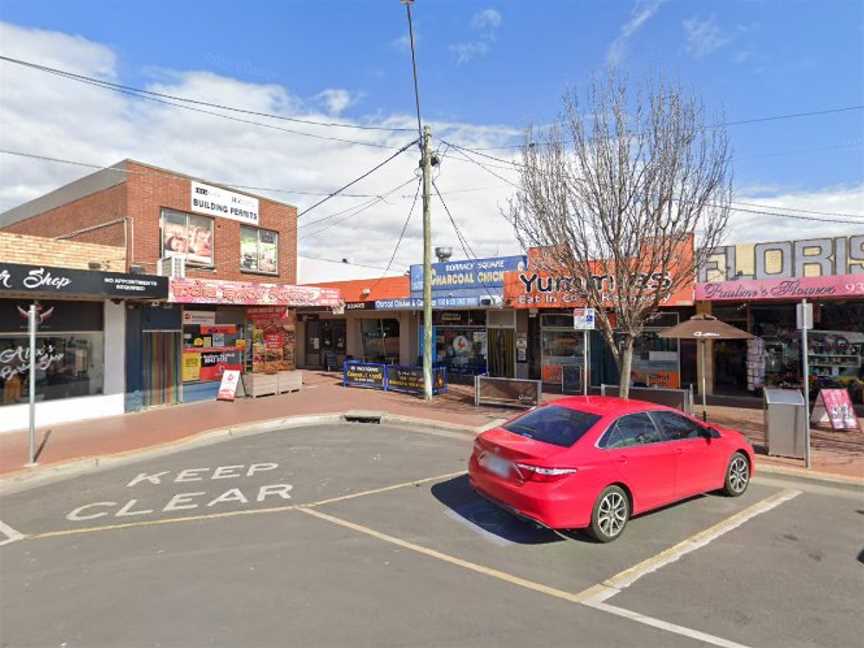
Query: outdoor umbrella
{"points": [[703, 328]]}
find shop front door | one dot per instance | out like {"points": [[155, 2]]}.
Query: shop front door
{"points": [[161, 355], [313, 344], [501, 351]]}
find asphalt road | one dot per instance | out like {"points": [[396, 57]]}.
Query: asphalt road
{"points": [[366, 535]]}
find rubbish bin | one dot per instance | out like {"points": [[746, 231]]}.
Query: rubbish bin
{"points": [[785, 421]]}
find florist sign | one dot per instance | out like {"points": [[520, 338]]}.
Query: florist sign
{"points": [[837, 286], [214, 291]]}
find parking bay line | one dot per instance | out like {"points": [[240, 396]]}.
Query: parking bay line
{"points": [[215, 516], [596, 595]]}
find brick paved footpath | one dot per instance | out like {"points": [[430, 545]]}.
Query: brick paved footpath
{"points": [[834, 453]]}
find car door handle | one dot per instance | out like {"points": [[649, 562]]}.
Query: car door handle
{"points": [[679, 450], [622, 460]]}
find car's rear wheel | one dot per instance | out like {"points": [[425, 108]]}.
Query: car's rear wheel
{"points": [[610, 515], [737, 475]]}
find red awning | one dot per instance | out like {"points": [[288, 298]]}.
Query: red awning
{"points": [[243, 293]]}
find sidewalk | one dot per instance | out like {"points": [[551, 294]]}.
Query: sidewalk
{"points": [[840, 454]]}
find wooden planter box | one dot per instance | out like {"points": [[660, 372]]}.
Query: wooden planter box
{"points": [[259, 384], [290, 381]]}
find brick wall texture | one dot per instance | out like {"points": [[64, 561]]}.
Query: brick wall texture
{"points": [[139, 201], [36, 250]]}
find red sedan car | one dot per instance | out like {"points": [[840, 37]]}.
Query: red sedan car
{"points": [[591, 462]]}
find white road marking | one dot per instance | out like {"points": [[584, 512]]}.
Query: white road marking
{"points": [[665, 625], [11, 534], [612, 586]]}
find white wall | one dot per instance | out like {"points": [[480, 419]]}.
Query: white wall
{"points": [[109, 403]]}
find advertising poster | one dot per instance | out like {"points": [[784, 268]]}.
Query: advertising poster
{"points": [[267, 251], [364, 375], [188, 235], [214, 363], [835, 407], [228, 386], [405, 379], [191, 366]]}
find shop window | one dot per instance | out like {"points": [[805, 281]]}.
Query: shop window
{"points": [[259, 250], [67, 365], [556, 320], [187, 235], [380, 340]]}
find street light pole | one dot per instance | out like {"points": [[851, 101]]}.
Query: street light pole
{"points": [[426, 163]]}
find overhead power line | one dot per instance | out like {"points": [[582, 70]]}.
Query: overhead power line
{"points": [[358, 210], [401, 236], [240, 120], [740, 122], [356, 180], [198, 102]]}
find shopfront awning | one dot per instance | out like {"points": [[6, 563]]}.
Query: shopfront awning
{"points": [[243, 293]]}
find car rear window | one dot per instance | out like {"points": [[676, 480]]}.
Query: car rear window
{"points": [[559, 426]]}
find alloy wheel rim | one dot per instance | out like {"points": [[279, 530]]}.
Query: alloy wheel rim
{"points": [[739, 474], [612, 514]]}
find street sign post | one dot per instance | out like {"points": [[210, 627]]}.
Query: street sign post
{"points": [[583, 320], [804, 318], [31, 328]]}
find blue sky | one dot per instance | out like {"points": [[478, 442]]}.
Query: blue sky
{"points": [[506, 63]]}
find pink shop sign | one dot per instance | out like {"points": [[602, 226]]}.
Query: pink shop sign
{"points": [[830, 287]]}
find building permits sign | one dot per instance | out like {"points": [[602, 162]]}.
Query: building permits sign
{"points": [[214, 201]]}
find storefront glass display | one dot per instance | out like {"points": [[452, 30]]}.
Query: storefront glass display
{"points": [[380, 340], [463, 350], [187, 235], [70, 351], [209, 348], [561, 347]]}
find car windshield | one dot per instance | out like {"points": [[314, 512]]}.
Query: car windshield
{"points": [[559, 426]]}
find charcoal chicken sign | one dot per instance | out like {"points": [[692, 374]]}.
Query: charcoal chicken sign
{"points": [[46, 280]]}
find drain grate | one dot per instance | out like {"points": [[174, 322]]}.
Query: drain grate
{"points": [[359, 416]]}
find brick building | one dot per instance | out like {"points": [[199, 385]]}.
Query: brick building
{"points": [[231, 259], [140, 207]]}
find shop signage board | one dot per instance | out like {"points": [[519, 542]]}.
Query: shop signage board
{"points": [[53, 315], [228, 386], [40, 280], [365, 374], [375, 375], [835, 407], [539, 289], [416, 303], [202, 318], [356, 306], [835, 286], [470, 274], [583, 319], [215, 201], [820, 257], [241, 293]]}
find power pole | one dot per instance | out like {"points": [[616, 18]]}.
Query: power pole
{"points": [[426, 163]]}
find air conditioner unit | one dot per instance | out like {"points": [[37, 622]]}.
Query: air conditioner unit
{"points": [[174, 267]]}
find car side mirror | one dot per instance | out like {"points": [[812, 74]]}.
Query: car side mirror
{"points": [[709, 433]]}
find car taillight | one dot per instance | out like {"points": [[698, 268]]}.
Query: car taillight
{"points": [[542, 474]]}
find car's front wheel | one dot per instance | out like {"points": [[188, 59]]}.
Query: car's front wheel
{"points": [[737, 475], [610, 515]]}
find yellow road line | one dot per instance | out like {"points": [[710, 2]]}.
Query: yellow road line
{"points": [[453, 560], [374, 491], [229, 514]]}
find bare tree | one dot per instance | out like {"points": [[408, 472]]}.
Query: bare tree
{"points": [[626, 196]]}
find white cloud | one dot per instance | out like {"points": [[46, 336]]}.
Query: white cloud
{"points": [[747, 227], [488, 19], [485, 22], [336, 100], [704, 36], [641, 13], [466, 52], [60, 118]]}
